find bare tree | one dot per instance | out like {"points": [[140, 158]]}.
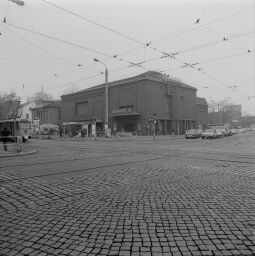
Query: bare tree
{"points": [[9, 105], [41, 96], [212, 106]]}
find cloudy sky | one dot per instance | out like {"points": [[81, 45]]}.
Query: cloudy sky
{"points": [[50, 45]]}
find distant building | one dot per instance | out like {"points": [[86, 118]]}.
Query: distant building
{"points": [[47, 112], [234, 112], [133, 103], [202, 113], [25, 110], [227, 115]]}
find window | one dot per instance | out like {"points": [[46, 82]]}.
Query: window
{"points": [[27, 116], [168, 90], [81, 108], [168, 107], [127, 96], [59, 115]]}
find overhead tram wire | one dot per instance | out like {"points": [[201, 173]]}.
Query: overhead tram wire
{"points": [[200, 26], [128, 37], [69, 43], [93, 22], [110, 56], [222, 34], [40, 48], [199, 47], [59, 40], [133, 64], [52, 77], [204, 10], [7, 9], [125, 35], [209, 61], [215, 42], [132, 39], [75, 81], [72, 44], [223, 58]]}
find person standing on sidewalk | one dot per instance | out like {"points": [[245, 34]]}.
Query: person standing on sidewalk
{"points": [[5, 133], [173, 132]]}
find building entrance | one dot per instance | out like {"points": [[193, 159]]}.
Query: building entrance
{"points": [[125, 123], [129, 127]]}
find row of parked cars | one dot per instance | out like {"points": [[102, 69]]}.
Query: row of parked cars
{"points": [[211, 133]]}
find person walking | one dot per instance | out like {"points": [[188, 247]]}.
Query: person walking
{"points": [[60, 131], [5, 133]]}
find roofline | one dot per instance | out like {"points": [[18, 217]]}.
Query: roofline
{"points": [[132, 79]]}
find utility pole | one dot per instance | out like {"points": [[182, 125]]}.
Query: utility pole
{"points": [[106, 95]]}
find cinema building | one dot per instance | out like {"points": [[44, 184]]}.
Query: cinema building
{"points": [[134, 103]]}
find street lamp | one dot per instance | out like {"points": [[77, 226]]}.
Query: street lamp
{"points": [[106, 95], [18, 2]]}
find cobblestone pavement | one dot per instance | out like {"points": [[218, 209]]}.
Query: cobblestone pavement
{"points": [[127, 197]]}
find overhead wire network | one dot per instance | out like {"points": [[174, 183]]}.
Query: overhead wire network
{"points": [[131, 64], [149, 44]]}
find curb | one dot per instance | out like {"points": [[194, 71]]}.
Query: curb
{"points": [[134, 138], [19, 154]]}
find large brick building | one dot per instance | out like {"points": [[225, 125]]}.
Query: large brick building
{"points": [[133, 102]]}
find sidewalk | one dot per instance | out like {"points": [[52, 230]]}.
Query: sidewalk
{"points": [[112, 138], [11, 151]]}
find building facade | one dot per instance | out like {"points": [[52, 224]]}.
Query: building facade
{"points": [[227, 115], [25, 110], [133, 103], [234, 112], [47, 112]]}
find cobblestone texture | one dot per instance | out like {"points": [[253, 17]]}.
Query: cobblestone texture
{"points": [[169, 206]]}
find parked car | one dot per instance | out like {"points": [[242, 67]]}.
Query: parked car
{"points": [[220, 133], [234, 131], [228, 132], [193, 133], [209, 134]]}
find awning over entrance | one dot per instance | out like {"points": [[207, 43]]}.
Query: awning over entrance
{"points": [[125, 114]]}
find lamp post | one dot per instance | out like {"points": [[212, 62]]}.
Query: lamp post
{"points": [[106, 95], [18, 2]]}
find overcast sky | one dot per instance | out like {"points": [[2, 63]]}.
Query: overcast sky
{"points": [[51, 44]]}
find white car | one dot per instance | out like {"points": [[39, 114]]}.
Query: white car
{"points": [[209, 134], [220, 133]]}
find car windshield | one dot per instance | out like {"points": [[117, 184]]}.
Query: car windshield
{"points": [[191, 131], [208, 130]]}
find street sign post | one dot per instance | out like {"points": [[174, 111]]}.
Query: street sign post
{"points": [[154, 120]]}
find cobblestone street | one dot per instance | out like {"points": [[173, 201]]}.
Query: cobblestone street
{"points": [[130, 196]]}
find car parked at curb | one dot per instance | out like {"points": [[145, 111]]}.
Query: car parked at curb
{"points": [[193, 134], [220, 133], [209, 134]]}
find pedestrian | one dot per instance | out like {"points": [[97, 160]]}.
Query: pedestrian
{"points": [[5, 133], [60, 131], [172, 131]]}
